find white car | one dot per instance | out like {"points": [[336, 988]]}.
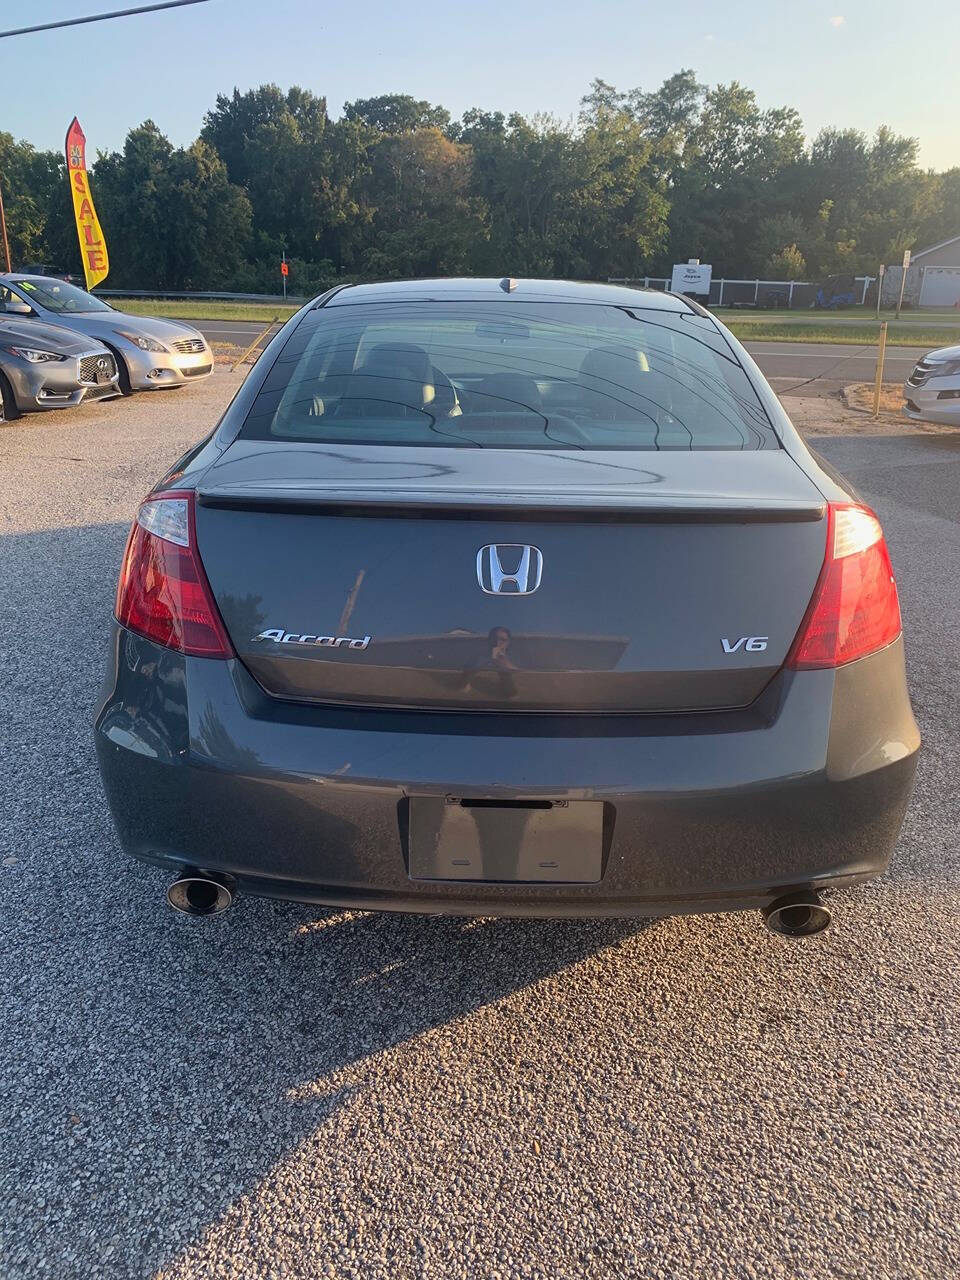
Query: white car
{"points": [[932, 391]]}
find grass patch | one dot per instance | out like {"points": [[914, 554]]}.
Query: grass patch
{"points": [[849, 335], [198, 309], [847, 315]]}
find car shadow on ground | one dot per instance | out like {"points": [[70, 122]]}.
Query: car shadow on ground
{"points": [[157, 1068], [156, 1064]]}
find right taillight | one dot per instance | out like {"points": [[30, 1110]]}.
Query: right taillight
{"points": [[854, 610], [163, 592]]}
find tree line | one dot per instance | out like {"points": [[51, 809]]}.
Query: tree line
{"points": [[395, 187]]}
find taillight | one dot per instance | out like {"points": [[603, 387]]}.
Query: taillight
{"points": [[855, 610], [163, 592]]}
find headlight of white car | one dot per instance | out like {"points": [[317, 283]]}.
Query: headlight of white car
{"points": [[142, 341], [34, 354]]}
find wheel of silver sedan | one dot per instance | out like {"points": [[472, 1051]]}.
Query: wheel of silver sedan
{"points": [[8, 405]]}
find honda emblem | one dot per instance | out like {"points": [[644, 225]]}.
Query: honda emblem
{"points": [[509, 569]]}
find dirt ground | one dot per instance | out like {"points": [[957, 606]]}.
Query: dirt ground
{"points": [[852, 414]]}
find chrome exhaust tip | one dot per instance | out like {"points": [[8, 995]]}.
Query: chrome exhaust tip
{"points": [[797, 915], [199, 895]]}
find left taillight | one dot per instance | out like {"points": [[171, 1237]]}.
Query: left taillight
{"points": [[163, 592]]}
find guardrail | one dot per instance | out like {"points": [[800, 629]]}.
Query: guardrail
{"points": [[184, 295]]}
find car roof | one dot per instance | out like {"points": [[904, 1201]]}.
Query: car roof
{"points": [[503, 289]]}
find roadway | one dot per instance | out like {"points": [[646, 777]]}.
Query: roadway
{"points": [[822, 368], [806, 368]]}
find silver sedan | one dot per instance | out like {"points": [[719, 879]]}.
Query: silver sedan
{"points": [[150, 353], [932, 391], [46, 367]]}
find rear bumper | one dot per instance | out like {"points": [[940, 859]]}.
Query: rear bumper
{"points": [[705, 813]]}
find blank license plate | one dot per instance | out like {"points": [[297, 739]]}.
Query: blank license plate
{"points": [[516, 842]]}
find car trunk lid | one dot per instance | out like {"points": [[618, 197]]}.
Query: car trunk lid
{"points": [[667, 581]]}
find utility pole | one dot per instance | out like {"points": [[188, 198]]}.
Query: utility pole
{"points": [[3, 225]]}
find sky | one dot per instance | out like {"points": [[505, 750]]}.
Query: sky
{"points": [[858, 63]]}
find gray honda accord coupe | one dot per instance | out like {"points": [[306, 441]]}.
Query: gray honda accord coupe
{"points": [[508, 597]]}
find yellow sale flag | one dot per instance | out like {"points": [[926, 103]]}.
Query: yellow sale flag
{"points": [[93, 247]]}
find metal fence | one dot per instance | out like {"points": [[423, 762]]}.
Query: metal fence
{"points": [[788, 294], [185, 295]]}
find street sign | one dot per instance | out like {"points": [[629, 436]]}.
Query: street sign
{"points": [[903, 279]]}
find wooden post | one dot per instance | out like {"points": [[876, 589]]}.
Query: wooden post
{"points": [[257, 339], [878, 380]]}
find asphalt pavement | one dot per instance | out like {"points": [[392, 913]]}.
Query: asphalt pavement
{"points": [[291, 1092], [804, 368], [823, 369]]}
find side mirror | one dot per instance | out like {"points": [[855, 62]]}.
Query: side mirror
{"points": [[18, 308]]}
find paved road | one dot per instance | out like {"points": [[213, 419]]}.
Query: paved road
{"points": [[812, 368], [239, 331], [287, 1092]]}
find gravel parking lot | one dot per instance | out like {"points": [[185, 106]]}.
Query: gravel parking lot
{"points": [[290, 1092]]}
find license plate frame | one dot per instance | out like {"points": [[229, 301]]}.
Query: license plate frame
{"points": [[489, 841]]}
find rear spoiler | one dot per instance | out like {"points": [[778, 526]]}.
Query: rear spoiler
{"points": [[524, 503]]}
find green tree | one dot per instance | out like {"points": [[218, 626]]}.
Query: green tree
{"points": [[787, 264], [302, 172], [426, 221], [29, 179], [397, 113], [641, 179], [172, 218]]}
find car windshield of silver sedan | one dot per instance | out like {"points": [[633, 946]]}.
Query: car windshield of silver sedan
{"points": [[514, 375], [57, 295]]}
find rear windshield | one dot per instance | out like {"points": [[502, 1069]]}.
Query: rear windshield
{"points": [[510, 375]]}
